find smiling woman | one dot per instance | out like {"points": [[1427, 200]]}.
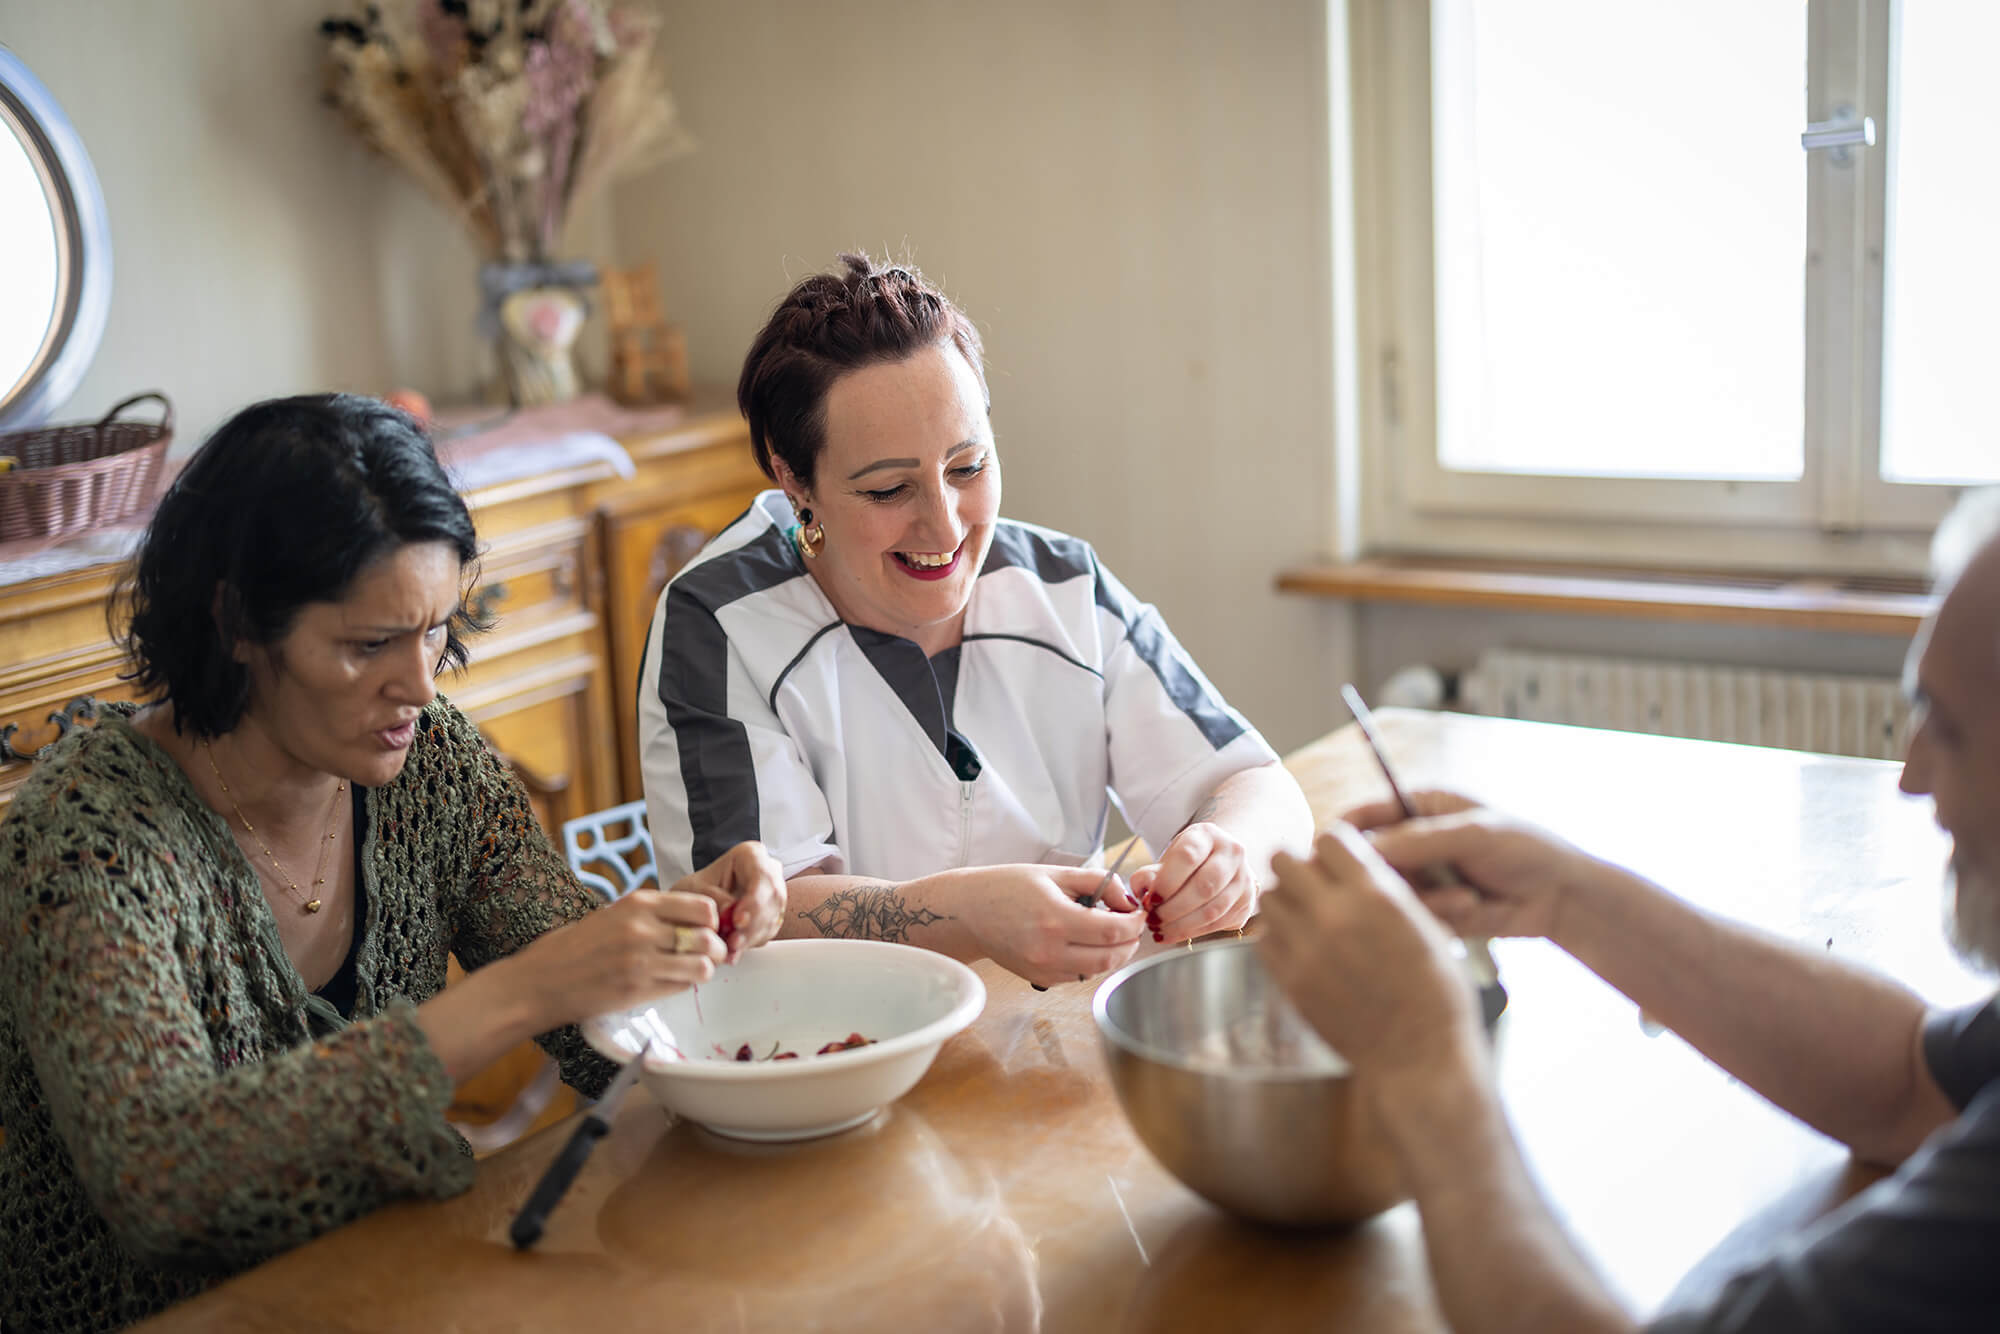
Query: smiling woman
{"points": [[925, 709], [905, 529], [225, 915]]}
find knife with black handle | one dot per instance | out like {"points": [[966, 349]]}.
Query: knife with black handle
{"points": [[527, 1226]]}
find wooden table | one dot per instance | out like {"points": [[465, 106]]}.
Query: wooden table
{"points": [[1006, 1191]]}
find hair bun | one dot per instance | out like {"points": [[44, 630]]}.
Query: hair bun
{"points": [[829, 324]]}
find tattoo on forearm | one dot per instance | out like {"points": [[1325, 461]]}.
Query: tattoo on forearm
{"points": [[868, 912]]}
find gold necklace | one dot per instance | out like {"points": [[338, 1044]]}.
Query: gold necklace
{"points": [[311, 905]]}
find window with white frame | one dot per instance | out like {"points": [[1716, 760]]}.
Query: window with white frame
{"points": [[1609, 296]]}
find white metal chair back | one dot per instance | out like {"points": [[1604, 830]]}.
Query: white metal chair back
{"points": [[612, 850]]}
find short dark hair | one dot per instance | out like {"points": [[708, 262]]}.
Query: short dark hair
{"points": [[828, 325], [283, 506]]}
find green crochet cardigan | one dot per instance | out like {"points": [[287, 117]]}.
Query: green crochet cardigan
{"points": [[177, 1105]]}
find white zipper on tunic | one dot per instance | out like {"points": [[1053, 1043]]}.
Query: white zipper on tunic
{"points": [[964, 824]]}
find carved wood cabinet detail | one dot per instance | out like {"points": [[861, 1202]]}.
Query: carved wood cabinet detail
{"points": [[82, 708]]}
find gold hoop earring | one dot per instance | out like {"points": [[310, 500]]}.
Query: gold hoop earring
{"points": [[811, 536]]}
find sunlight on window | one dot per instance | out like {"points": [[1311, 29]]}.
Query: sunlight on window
{"points": [[1938, 422], [28, 277], [1620, 231]]}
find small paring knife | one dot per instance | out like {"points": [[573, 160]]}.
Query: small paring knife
{"points": [[555, 1183], [1478, 954], [1091, 899]]}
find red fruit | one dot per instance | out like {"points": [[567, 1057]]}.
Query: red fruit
{"points": [[743, 1052], [848, 1043], [725, 922]]}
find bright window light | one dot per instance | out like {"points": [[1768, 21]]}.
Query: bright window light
{"points": [[1620, 234], [28, 271], [1939, 420]]}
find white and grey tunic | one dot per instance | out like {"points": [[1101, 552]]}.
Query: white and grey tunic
{"points": [[762, 715]]}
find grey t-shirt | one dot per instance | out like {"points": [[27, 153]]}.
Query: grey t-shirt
{"points": [[1919, 1251]]}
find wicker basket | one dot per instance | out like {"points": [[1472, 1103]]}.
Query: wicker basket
{"points": [[68, 478]]}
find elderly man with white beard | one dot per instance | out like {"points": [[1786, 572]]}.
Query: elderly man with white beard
{"points": [[1857, 1056]]}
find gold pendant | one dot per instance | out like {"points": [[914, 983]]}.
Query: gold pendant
{"points": [[312, 905]]}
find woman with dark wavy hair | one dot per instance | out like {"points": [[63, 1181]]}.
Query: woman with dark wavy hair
{"points": [[925, 709], [225, 913]]}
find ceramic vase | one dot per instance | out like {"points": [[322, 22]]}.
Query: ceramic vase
{"points": [[534, 313]]}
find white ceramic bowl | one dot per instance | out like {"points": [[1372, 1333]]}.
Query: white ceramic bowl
{"points": [[799, 995]]}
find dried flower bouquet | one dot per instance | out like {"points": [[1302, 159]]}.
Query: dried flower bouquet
{"points": [[508, 112]]}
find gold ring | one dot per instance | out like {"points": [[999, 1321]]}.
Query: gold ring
{"points": [[687, 940]]}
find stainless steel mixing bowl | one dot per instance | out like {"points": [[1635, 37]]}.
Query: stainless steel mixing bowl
{"points": [[1236, 1095]]}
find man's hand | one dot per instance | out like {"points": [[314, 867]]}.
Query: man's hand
{"points": [[1517, 878], [1361, 958]]}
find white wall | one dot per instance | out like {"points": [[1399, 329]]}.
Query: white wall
{"points": [[1128, 197], [259, 248]]}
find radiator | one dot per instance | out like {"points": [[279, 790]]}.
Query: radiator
{"points": [[1838, 715]]}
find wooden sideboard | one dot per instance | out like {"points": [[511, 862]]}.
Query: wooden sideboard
{"points": [[573, 561], [57, 660]]}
